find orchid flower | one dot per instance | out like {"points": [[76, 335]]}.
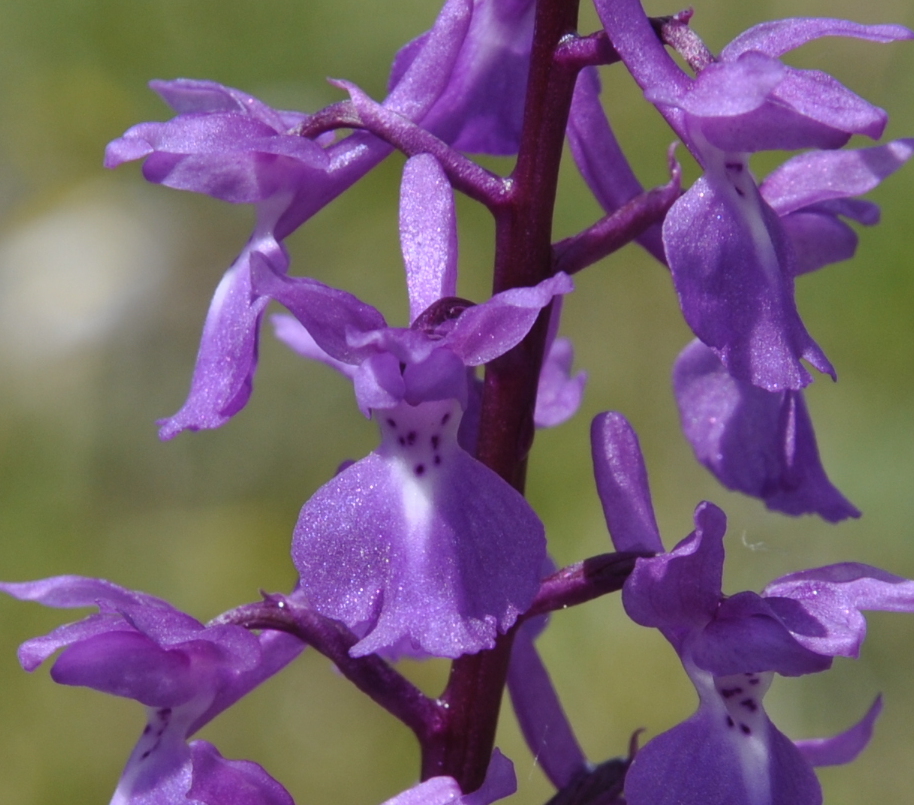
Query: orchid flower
{"points": [[731, 647], [185, 673], [418, 547], [230, 145], [731, 259]]}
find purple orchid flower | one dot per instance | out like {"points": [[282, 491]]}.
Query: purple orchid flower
{"points": [[500, 782], [754, 441], [418, 547], [728, 752], [185, 673], [230, 145], [731, 259]]}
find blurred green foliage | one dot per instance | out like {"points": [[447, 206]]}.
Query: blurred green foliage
{"points": [[104, 282]]}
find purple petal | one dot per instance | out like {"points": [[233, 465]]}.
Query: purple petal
{"points": [[131, 665], [224, 372], [378, 383], [705, 761], [827, 101], [539, 712], [818, 239], [635, 40], [416, 85], [333, 318], [35, 651], [777, 37], [436, 791], [225, 155], [733, 270], [559, 393], [481, 109], [217, 781], [428, 233], [599, 157], [294, 335], [757, 442], [746, 635], [70, 592], [821, 176], [441, 376], [192, 96], [844, 747], [680, 591], [726, 89], [822, 607], [485, 331], [419, 546], [500, 782], [775, 125], [622, 485]]}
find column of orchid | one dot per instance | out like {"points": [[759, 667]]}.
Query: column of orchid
{"points": [[427, 547]]}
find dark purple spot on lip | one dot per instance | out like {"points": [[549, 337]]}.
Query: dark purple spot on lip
{"points": [[437, 460], [730, 722], [148, 729], [391, 421], [419, 469], [745, 729], [749, 704], [146, 754], [739, 192], [734, 166], [754, 681], [728, 692], [401, 441], [436, 440], [411, 437], [446, 418]]}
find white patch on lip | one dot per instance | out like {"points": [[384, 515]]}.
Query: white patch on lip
{"points": [[747, 728], [735, 704], [418, 440]]}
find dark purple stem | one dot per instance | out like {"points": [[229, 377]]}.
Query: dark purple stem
{"points": [[614, 231], [523, 257], [582, 582], [370, 674], [464, 175], [578, 52]]}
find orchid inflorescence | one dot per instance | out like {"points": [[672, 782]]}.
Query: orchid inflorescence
{"points": [[427, 547]]}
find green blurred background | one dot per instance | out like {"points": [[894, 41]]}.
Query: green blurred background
{"points": [[104, 282]]}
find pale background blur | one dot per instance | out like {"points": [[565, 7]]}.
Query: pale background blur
{"points": [[104, 282]]}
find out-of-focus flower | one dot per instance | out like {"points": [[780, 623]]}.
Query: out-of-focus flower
{"points": [[185, 673]]}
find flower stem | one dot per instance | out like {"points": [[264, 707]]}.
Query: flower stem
{"points": [[523, 257]]}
